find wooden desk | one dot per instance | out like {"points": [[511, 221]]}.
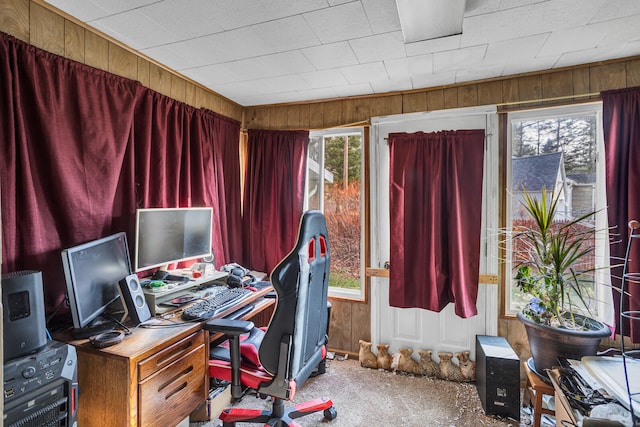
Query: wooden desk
{"points": [[155, 377]]}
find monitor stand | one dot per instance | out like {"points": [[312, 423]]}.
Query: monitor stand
{"points": [[91, 330]]}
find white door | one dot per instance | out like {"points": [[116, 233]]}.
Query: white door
{"points": [[413, 327]]}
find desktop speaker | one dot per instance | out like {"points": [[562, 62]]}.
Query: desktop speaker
{"points": [[24, 329], [134, 303]]}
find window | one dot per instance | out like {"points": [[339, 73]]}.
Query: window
{"points": [[334, 186], [561, 149]]}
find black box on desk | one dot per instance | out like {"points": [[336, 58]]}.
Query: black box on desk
{"points": [[498, 376]]}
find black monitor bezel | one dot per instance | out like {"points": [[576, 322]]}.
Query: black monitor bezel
{"points": [[165, 262], [74, 292]]}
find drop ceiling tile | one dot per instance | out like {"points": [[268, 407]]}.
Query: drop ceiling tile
{"points": [[324, 78], [322, 93], [84, 10], [485, 71], [331, 55], [365, 73], [515, 49], [241, 13], [510, 4], [381, 46], [429, 80], [386, 86], [434, 45], [135, 30], [118, 6], [199, 19], [344, 22], [573, 39], [458, 59], [619, 9], [552, 16], [496, 26], [404, 68], [623, 30], [382, 15], [278, 64], [286, 34], [354, 90], [535, 63], [214, 74]]}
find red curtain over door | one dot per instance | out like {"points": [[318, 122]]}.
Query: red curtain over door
{"points": [[435, 219]]}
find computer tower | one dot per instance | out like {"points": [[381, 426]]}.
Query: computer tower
{"points": [[24, 329], [498, 377], [41, 389]]}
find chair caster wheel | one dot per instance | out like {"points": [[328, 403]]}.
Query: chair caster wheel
{"points": [[330, 414]]}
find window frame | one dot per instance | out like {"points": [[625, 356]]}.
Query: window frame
{"points": [[603, 281], [335, 292]]}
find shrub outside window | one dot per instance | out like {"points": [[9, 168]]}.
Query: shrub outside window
{"points": [[334, 186]]}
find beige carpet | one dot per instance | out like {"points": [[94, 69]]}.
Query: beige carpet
{"points": [[367, 397]]}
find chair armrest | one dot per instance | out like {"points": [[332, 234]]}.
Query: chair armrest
{"points": [[229, 327]]}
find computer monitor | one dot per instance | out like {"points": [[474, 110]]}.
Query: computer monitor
{"points": [[169, 235], [92, 272]]}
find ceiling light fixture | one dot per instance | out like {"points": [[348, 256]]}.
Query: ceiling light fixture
{"points": [[430, 19]]}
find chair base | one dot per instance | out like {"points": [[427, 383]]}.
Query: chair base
{"points": [[278, 415]]}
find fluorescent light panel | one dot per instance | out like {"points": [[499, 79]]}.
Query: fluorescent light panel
{"points": [[430, 19]]}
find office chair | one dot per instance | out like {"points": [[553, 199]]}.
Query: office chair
{"points": [[277, 361]]}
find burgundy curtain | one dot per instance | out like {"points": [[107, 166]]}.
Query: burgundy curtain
{"points": [[82, 149], [273, 195], [621, 122], [65, 136], [183, 158], [435, 218]]}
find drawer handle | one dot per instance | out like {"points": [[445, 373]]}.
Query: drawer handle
{"points": [[176, 351], [175, 378], [176, 391]]}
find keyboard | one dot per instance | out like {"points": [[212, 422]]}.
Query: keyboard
{"points": [[214, 304]]}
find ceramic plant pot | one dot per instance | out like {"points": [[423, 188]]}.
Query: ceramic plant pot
{"points": [[548, 343]]}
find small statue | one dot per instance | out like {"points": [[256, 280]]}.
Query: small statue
{"points": [[384, 358], [467, 367], [403, 362], [366, 357], [448, 370], [428, 366]]}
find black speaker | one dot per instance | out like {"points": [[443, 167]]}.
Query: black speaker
{"points": [[24, 328], [498, 376], [134, 303]]}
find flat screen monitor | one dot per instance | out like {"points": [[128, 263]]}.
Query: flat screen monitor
{"points": [[92, 272], [169, 235]]}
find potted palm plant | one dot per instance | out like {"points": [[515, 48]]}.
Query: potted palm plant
{"points": [[549, 267]]}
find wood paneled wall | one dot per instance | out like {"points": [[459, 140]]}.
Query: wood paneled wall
{"points": [[41, 25]]}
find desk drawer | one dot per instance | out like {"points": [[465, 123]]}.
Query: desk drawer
{"points": [[174, 391], [170, 354]]}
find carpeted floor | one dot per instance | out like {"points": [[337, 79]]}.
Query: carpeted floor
{"points": [[367, 397]]}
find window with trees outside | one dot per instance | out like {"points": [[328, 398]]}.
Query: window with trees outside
{"points": [[334, 186], [562, 150]]}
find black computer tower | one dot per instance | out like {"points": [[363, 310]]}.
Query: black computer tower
{"points": [[41, 389], [498, 377]]}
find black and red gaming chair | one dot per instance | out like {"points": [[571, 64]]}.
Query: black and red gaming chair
{"points": [[276, 362]]}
